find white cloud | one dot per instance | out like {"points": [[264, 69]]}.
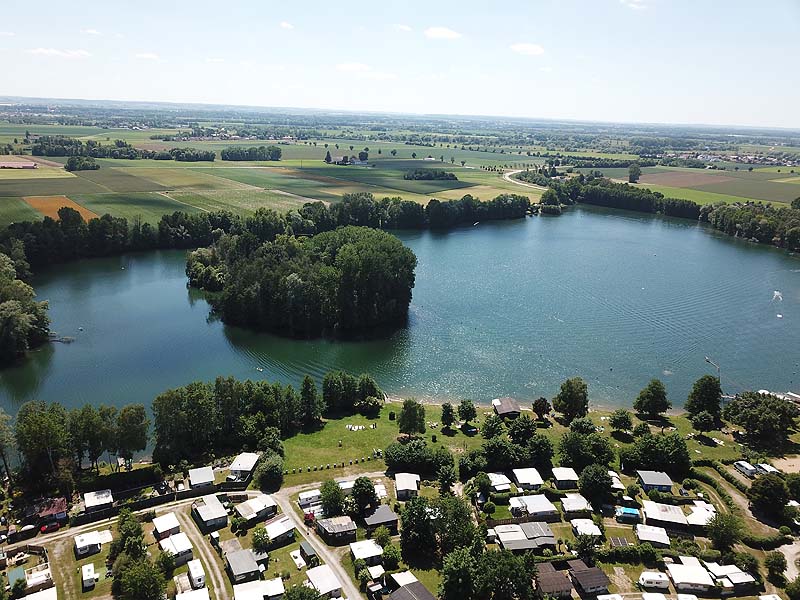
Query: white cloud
{"points": [[147, 56], [527, 49], [635, 4], [215, 60], [286, 25], [7, 34], [401, 27], [60, 53], [546, 69], [364, 71], [90, 32], [441, 33]]}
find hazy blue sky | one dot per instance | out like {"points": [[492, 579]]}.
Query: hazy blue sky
{"points": [[679, 61]]}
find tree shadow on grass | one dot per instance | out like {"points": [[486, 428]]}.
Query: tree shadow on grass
{"points": [[622, 437]]}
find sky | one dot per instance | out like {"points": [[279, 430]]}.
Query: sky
{"points": [[731, 62]]}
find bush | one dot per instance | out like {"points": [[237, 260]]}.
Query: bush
{"points": [[269, 473], [785, 530], [489, 508]]}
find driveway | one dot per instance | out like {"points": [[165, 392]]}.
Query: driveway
{"points": [[215, 575], [326, 554], [792, 553], [509, 177]]}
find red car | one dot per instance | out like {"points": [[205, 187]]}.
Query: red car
{"points": [[48, 527]]}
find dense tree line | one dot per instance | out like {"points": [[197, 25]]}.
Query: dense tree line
{"points": [[204, 418], [53, 442], [251, 153], [81, 163], [607, 163], [603, 192], [352, 279], [429, 175], [767, 224], [65, 146], [24, 323]]}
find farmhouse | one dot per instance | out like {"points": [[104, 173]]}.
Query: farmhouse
{"points": [[574, 504], [87, 543], [500, 483], [257, 509], [654, 480], [655, 536], [565, 477], [337, 530], [367, 550], [381, 516], [537, 506], [407, 485], [690, 575], [552, 583], [507, 408], [241, 566], [165, 525], [242, 466], [664, 515], [280, 530], [209, 513], [179, 546], [95, 501], [201, 477], [14, 164], [324, 581], [527, 479]]}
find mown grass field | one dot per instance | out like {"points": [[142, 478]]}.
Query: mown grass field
{"points": [[14, 210], [239, 201], [38, 173], [148, 206]]}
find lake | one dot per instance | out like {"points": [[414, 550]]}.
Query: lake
{"points": [[509, 308]]}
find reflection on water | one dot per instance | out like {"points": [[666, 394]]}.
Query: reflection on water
{"points": [[500, 309]]}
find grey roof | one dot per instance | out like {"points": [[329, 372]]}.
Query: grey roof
{"points": [[211, 509], [504, 406], [654, 478], [523, 544], [553, 582], [591, 578], [380, 516], [412, 591], [545, 567], [536, 530], [307, 548], [337, 525], [242, 562]]}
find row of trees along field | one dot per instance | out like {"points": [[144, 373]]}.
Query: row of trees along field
{"points": [[352, 279], [51, 241], [251, 153], [65, 146]]}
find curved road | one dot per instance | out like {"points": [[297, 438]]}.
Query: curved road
{"points": [[508, 177]]}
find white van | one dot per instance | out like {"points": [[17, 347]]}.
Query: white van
{"points": [[197, 576], [654, 579], [745, 468]]}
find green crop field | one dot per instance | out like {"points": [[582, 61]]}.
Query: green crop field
{"points": [[272, 179], [760, 190], [49, 186], [240, 201], [186, 179], [699, 196], [40, 173], [13, 210], [386, 178], [121, 180], [149, 206]]}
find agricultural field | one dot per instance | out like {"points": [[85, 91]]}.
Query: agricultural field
{"points": [[50, 205], [14, 210], [147, 206]]}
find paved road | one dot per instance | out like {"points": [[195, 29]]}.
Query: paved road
{"points": [[215, 575], [509, 177]]}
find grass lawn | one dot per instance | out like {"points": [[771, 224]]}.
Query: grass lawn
{"points": [[280, 564], [150, 206], [66, 568], [14, 210]]}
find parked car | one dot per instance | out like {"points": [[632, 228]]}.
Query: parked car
{"points": [[48, 527]]}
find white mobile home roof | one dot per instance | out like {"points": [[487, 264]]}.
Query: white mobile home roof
{"points": [[249, 508], [767, 468], [574, 503], [406, 481], [90, 538], [201, 594], [537, 504], [166, 522], [176, 544], [365, 549], [528, 476], [664, 512], [211, 509], [279, 527], [499, 481], [658, 478], [649, 533], [323, 579], [310, 495], [653, 595], [98, 498], [201, 476], [48, 594], [244, 462], [564, 474], [689, 575], [403, 578], [585, 527], [701, 513], [258, 590]]}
